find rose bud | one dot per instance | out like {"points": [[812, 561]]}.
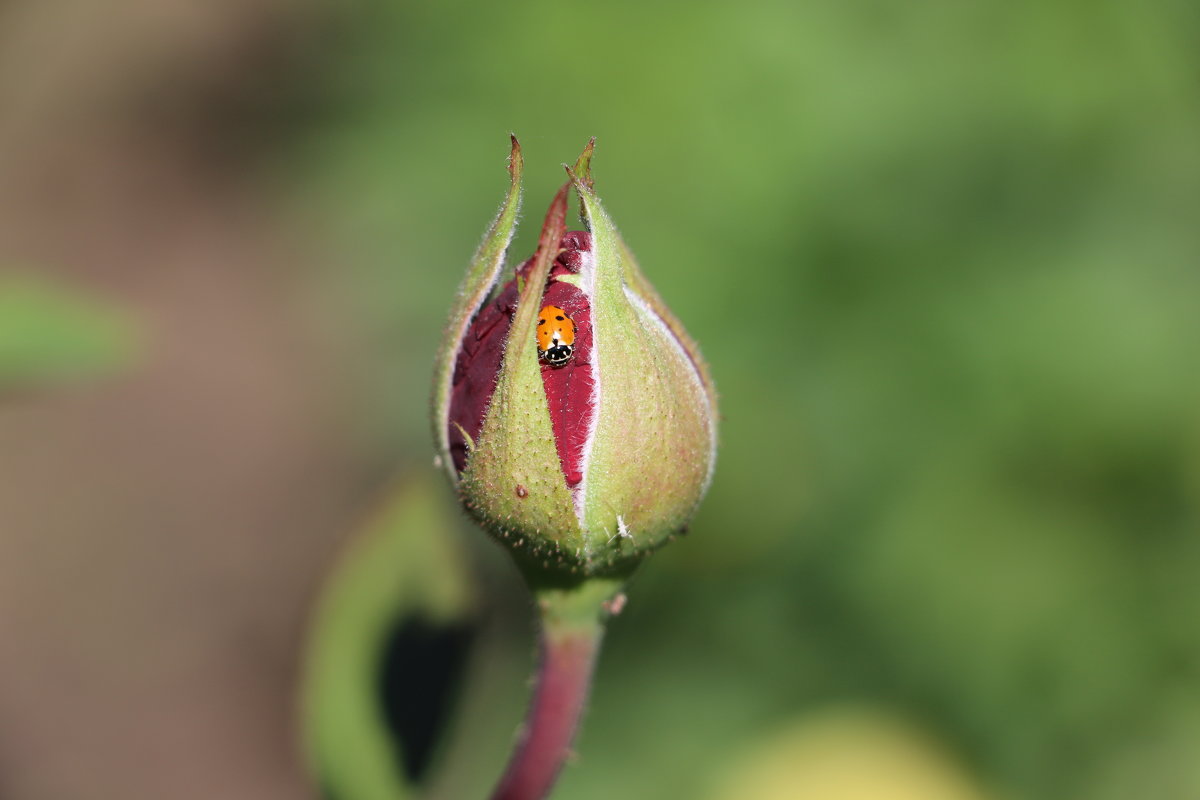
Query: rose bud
{"points": [[571, 409]]}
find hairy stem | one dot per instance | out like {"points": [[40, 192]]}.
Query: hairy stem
{"points": [[572, 626]]}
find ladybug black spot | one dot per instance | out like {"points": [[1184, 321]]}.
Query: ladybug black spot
{"points": [[558, 355]]}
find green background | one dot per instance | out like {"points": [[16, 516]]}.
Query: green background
{"points": [[944, 261]]}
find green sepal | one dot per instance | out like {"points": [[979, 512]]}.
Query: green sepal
{"points": [[513, 482], [481, 277], [641, 286], [653, 448]]}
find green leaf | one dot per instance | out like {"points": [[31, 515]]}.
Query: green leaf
{"points": [[49, 332], [403, 566]]}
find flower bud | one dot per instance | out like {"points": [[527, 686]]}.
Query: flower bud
{"points": [[571, 409]]}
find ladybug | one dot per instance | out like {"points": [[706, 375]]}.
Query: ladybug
{"points": [[555, 336]]}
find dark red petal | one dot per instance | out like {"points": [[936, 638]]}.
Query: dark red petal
{"points": [[569, 387], [477, 368]]}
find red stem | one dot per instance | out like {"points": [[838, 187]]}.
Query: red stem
{"points": [[563, 681]]}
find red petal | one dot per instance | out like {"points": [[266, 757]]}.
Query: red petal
{"points": [[569, 387], [477, 368]]}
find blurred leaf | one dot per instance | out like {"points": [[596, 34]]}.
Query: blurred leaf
{"points": [[395, 609], [49, 332]]}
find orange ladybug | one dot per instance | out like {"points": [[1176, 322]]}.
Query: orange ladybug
{"points": [[555, 336]]}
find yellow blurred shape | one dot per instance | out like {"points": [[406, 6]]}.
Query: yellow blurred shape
{"points": [[847, 755]]}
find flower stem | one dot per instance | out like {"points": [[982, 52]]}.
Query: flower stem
{"points": [[572, 626]]}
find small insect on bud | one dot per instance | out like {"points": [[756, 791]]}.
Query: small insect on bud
{"points": [[555, 336], [570, 380]]}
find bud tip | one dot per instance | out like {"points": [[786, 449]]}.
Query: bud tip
{"points": [[515, 159]]}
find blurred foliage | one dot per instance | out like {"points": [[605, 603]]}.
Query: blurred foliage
{"points": [[414, 673], [51, 333], [943, 260], [403, 572]]}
